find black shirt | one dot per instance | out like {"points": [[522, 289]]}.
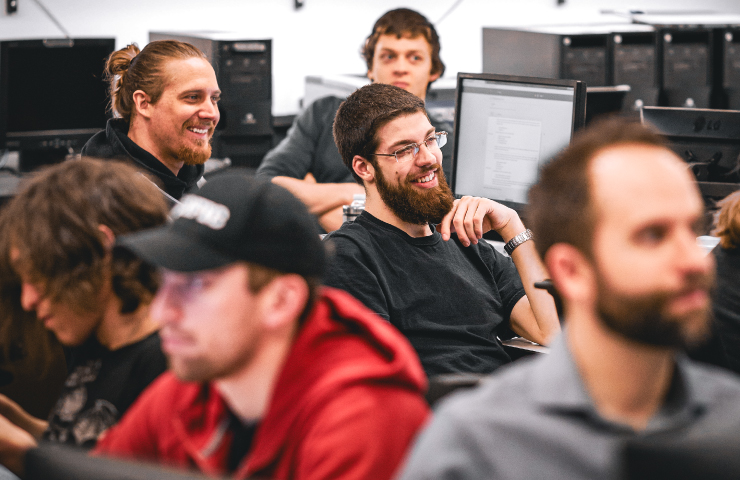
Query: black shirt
{"points": [[102, 384], [449, 300]]}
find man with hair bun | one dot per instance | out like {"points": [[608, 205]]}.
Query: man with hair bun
{"points": [[165, 102], [402, 50]]}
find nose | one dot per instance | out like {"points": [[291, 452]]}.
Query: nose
{"points": [[693, 259], [210, 111], [30, 297], [426, 156], [165, 308]]}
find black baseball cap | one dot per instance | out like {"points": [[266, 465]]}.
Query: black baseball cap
{"points": [[234, 217]]}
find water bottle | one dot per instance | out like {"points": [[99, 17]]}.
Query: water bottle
{"points": [[351, 211]]}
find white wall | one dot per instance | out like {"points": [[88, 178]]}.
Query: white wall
{"points": [[322, 37]]}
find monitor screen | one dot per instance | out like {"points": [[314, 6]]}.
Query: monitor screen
{"points": [[506, 127], [52, 92]]}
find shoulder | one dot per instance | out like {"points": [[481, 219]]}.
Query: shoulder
{"points": [[714, 383], [322, 110]]}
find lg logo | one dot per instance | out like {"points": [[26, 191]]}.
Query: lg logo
{"points": [[702, 123]]}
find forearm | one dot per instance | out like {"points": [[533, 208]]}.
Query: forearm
{"points": [[537, 319], [14, 443], [15, 414], [320, 198]]}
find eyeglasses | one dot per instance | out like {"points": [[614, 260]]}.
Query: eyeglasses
{"points": [[408, 152]]}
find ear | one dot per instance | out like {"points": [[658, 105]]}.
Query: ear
{"points": [[571, 272], [363, 168], [281, 302], [109, 237], [434, 76], [370, 75], [142, 103]]}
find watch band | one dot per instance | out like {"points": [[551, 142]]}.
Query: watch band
{"points": [[518, 240]]}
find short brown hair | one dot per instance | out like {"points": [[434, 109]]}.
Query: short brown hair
{"points": [[130, 69], [53, 223], [560, 206], [727, 226], [366, 111], [260, 276], [404, 22]]}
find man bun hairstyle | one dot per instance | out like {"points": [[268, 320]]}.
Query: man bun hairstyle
{"points": [[560, 207], [130, 69], [404, 22], [365, 111]]}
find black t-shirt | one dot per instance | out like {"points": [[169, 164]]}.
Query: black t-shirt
{"points": [[449, 300], [101, 386]]}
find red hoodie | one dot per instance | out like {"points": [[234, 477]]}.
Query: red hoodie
{"points": [[347, 404]]}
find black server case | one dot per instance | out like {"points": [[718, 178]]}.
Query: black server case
{"points": [[686, 60], [548, 53], [729, 39], [600, 55], [633, 59], [244, 72]]}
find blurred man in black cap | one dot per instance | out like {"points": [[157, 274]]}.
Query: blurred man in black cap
{"points": [[271, 375]]}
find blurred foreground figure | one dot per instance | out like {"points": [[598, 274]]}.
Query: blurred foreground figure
{"points": [[616, 218], [57, 260], [272, 375]]}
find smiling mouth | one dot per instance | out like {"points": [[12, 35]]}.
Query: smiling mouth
{"points": [[199, 131], [427, 178]]}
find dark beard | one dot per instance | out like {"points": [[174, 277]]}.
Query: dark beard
{"points": [[644, 319], [414, 206]]}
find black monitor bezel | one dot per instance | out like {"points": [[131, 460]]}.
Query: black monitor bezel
{"points": [[42, 138], [579, 113]]}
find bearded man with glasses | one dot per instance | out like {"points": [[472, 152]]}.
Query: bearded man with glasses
{"points": [[414, 256]]}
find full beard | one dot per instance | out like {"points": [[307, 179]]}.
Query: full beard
{"points": [[646, 318], [198, 154], [414, 206]]}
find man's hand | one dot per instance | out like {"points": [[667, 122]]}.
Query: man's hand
{"points": [[471, 217], [14, 443]]}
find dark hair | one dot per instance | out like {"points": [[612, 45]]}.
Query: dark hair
{"points": [[53, 223], [363, 113], [560, 209], [727, 226], [404, 22], [130, 69]]}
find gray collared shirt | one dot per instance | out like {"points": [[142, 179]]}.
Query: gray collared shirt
{"points": [[535, 419]]}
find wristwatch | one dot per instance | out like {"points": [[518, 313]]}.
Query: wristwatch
{"points": [[518, 240]]}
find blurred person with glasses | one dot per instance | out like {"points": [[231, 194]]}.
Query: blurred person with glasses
{"points": [[414, 256]]}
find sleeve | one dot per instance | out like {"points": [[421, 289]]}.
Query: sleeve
{"points": [[444, 452], [350, 270], [294, 156], [356, 436], [507, 280]]}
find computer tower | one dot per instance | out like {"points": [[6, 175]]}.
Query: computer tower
{"points": [[686, 60], [633, 56], [730, 41], [564, 52], [244, 71]]}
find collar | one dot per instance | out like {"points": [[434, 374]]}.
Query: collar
{"points": [[557, 387], [432, 239]]}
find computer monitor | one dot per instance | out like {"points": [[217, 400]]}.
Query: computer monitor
{"points": [[506, 127], [52, 96], [708, 140]]}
